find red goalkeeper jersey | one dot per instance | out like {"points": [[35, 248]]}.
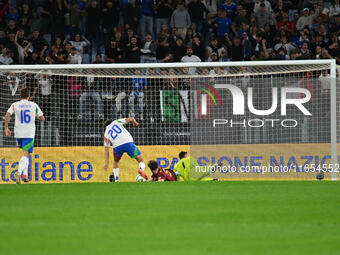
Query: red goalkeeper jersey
{"points": [[164, 174]]}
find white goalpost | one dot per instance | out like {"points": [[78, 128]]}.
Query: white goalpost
{"points": [[251, 120]]}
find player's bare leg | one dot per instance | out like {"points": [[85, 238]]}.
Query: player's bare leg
{"points": [[140, 160], [116, 169]]}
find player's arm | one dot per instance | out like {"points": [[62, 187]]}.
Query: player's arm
{"points": [[10, 111], [107, 158], [7, 119], [107, 153], [131, 120], [39, 113], [41, 118]]}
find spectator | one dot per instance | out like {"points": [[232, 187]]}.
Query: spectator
{"points": [[197, 10], [190, 57], [110, 19], [148, 50], [164, 11], [236, 47], [90, 91], [307, 19], [267, 6], [129, 34], [59, 45], [180, 19], [213, 47], [146, 22], [25, 10], [20, 35], [33, 58], [264, 16], [334, 26], [241, 18], [53, 18], [12, 49], [68, 47], [172, 82], [11, 27], [281, 54], [74, 57], [12, 86], [222, 23], [5, 59], [24, 24], [285, 24], [285, 45], [334, 9], [305, 52], [325, 81], [164, 33], [138, 85], [44, 83], [259, 50], [211, 6], [56, 57], [132, 51], [35, 22], [79, 44], [13, 14], [93, 25], [132, 14], [178, 50], [120, 88], [74, 87], [198, 48], [189, 37], [3, 38], [334, 46], [162, 51], [75, 17], [118, 46], [39, 44], [21, 48], [173, 36], [230, 7], [248, 5], [99, 59], [111, 51]]}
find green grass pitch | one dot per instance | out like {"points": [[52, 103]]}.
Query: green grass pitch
{"points": [[242, 217]]}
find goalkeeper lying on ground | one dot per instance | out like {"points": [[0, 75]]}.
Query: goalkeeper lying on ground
{"points": [[182, 169]]}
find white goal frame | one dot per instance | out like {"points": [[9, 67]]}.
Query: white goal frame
{"points": [[330, 62]]}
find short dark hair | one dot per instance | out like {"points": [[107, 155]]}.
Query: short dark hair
{"points": [[153, 165], [182, 154], [107, 122], [24, 93]]}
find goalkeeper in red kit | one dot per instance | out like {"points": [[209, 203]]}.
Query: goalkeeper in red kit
{"points": [[160, 174]]}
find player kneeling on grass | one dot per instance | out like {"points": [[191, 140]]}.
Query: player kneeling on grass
{"points": [[122, 141], [24, 129], [160, 174]]}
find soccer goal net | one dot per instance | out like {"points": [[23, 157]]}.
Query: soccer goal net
{"points": [[273, 119]]}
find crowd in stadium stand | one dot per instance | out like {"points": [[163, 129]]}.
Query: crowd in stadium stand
{"points": [[147, 31]]}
